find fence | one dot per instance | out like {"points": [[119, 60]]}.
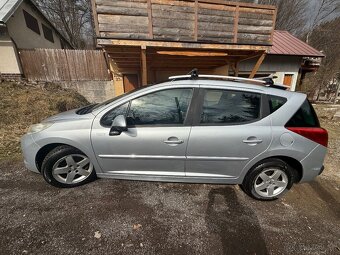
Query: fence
{"points": [[64, 65]]}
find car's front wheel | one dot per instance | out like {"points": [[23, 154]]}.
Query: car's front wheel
{"points": [[67, 167], [268, 180]]}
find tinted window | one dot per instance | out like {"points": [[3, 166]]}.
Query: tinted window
{"points": [[48, 34], [304, 117], [31, 22], [109, 117], [163, 107], [230, 107], [276, 102]]}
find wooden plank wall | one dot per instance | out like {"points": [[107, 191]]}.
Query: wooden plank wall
{"points": [[64, 65], [210, 21]]}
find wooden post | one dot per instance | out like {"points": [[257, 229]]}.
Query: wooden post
{"points": [[95, 17], [236, 68], [144, 66], [196, 21], [237, 14], [150, 25], [257, 65]]}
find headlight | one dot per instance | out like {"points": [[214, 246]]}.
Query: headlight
{"points": [[38, 127]]}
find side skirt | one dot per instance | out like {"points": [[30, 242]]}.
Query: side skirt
{"points": [[165, 178]]}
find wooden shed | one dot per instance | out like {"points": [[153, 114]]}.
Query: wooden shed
{"points": [[148, 40]]}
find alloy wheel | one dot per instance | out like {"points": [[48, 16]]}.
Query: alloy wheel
{"points": [[72, 169], [271, 183]]}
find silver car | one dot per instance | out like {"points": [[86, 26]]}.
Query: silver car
{"points": [[205, 129]]}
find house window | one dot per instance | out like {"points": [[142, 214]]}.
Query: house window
{"points": [[31, 22], [288, 79], [48, 33]]}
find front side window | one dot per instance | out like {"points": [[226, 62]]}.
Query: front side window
{"points": [[160, 108], [109, 117], [230, 107]]}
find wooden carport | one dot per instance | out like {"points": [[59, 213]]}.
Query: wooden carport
{"points": [[173, 37]]}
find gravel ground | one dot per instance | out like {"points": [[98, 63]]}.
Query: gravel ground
{"points": [[128, 217]]}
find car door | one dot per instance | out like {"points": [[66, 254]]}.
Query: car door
{"points": [[156, 139], [228, 131]]}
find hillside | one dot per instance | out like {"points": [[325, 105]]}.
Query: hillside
{"points": [[22, 105]]}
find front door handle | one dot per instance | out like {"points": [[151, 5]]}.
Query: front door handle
{"points": [[173, 141]]}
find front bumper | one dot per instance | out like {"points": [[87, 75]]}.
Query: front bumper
{"points": [[29, 150]]}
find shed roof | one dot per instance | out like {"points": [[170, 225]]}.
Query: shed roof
{"points": [[7, 8], [285, 43]]}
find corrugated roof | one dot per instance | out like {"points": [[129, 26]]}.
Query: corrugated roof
{"points": [[285, 43], [7, 8]]}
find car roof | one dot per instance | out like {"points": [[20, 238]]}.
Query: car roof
{"points": [[231, 85]]}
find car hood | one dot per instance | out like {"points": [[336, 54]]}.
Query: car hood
{"points": [[68, 116]]}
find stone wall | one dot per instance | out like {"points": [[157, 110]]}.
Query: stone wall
{"points": [[93, 91]]}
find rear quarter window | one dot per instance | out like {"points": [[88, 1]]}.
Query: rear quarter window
{"points": [[275, 102], [304, 117]]}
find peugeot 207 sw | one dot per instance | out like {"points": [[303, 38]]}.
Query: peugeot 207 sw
{"points": [[218, 130]]}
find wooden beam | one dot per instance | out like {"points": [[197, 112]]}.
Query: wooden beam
{"points": [[144, 67], [257, 66], [274, 24], [124, 42], [192, 53]]}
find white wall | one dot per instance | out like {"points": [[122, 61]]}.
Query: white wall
{"points": [[24, 37], [277, 65], [8, 57]]}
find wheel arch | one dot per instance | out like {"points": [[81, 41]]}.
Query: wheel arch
{"points": [[42, 153], [292, 162]]}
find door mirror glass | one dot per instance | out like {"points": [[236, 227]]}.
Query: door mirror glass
{"points": [[118, 125]]}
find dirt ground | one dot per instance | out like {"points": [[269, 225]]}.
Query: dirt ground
{"points": [[130, 217]]}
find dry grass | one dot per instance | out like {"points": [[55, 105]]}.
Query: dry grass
{"points": [[22, 105], [332, 162]]}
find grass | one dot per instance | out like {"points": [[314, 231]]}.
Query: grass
{"points": [[22, 105]]}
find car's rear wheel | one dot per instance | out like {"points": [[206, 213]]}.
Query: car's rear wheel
{"points": [[67, 167], [268, 180]]}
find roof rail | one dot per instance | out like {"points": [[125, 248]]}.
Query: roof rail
{"points": [[264, 81]]}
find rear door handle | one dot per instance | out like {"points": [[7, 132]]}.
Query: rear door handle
{"points": [[174, 142], [252, 140]]}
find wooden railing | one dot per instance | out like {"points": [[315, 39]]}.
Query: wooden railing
{"points": [[213, 21]]}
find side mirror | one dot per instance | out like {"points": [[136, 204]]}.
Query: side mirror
{"points": [[118, 125]]}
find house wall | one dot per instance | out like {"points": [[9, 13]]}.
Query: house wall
{"points": [[24, 37], [276, 65], [8, 57]]}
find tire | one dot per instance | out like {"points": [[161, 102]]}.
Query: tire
{"points": [[268, 180], [67, 167]]}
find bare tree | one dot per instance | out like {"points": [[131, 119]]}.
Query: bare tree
{"points": [[325, 38], [324, 9], [291, 15], [72, 17]]}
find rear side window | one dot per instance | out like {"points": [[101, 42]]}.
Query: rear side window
{"points": [[304, 117], [275, 102], [230, 107]]}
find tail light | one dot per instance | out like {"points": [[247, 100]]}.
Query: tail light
{"points": [[316, 134]]}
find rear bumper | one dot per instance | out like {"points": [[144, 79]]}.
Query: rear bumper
{"points": [[29, 150], [312, 164]]}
